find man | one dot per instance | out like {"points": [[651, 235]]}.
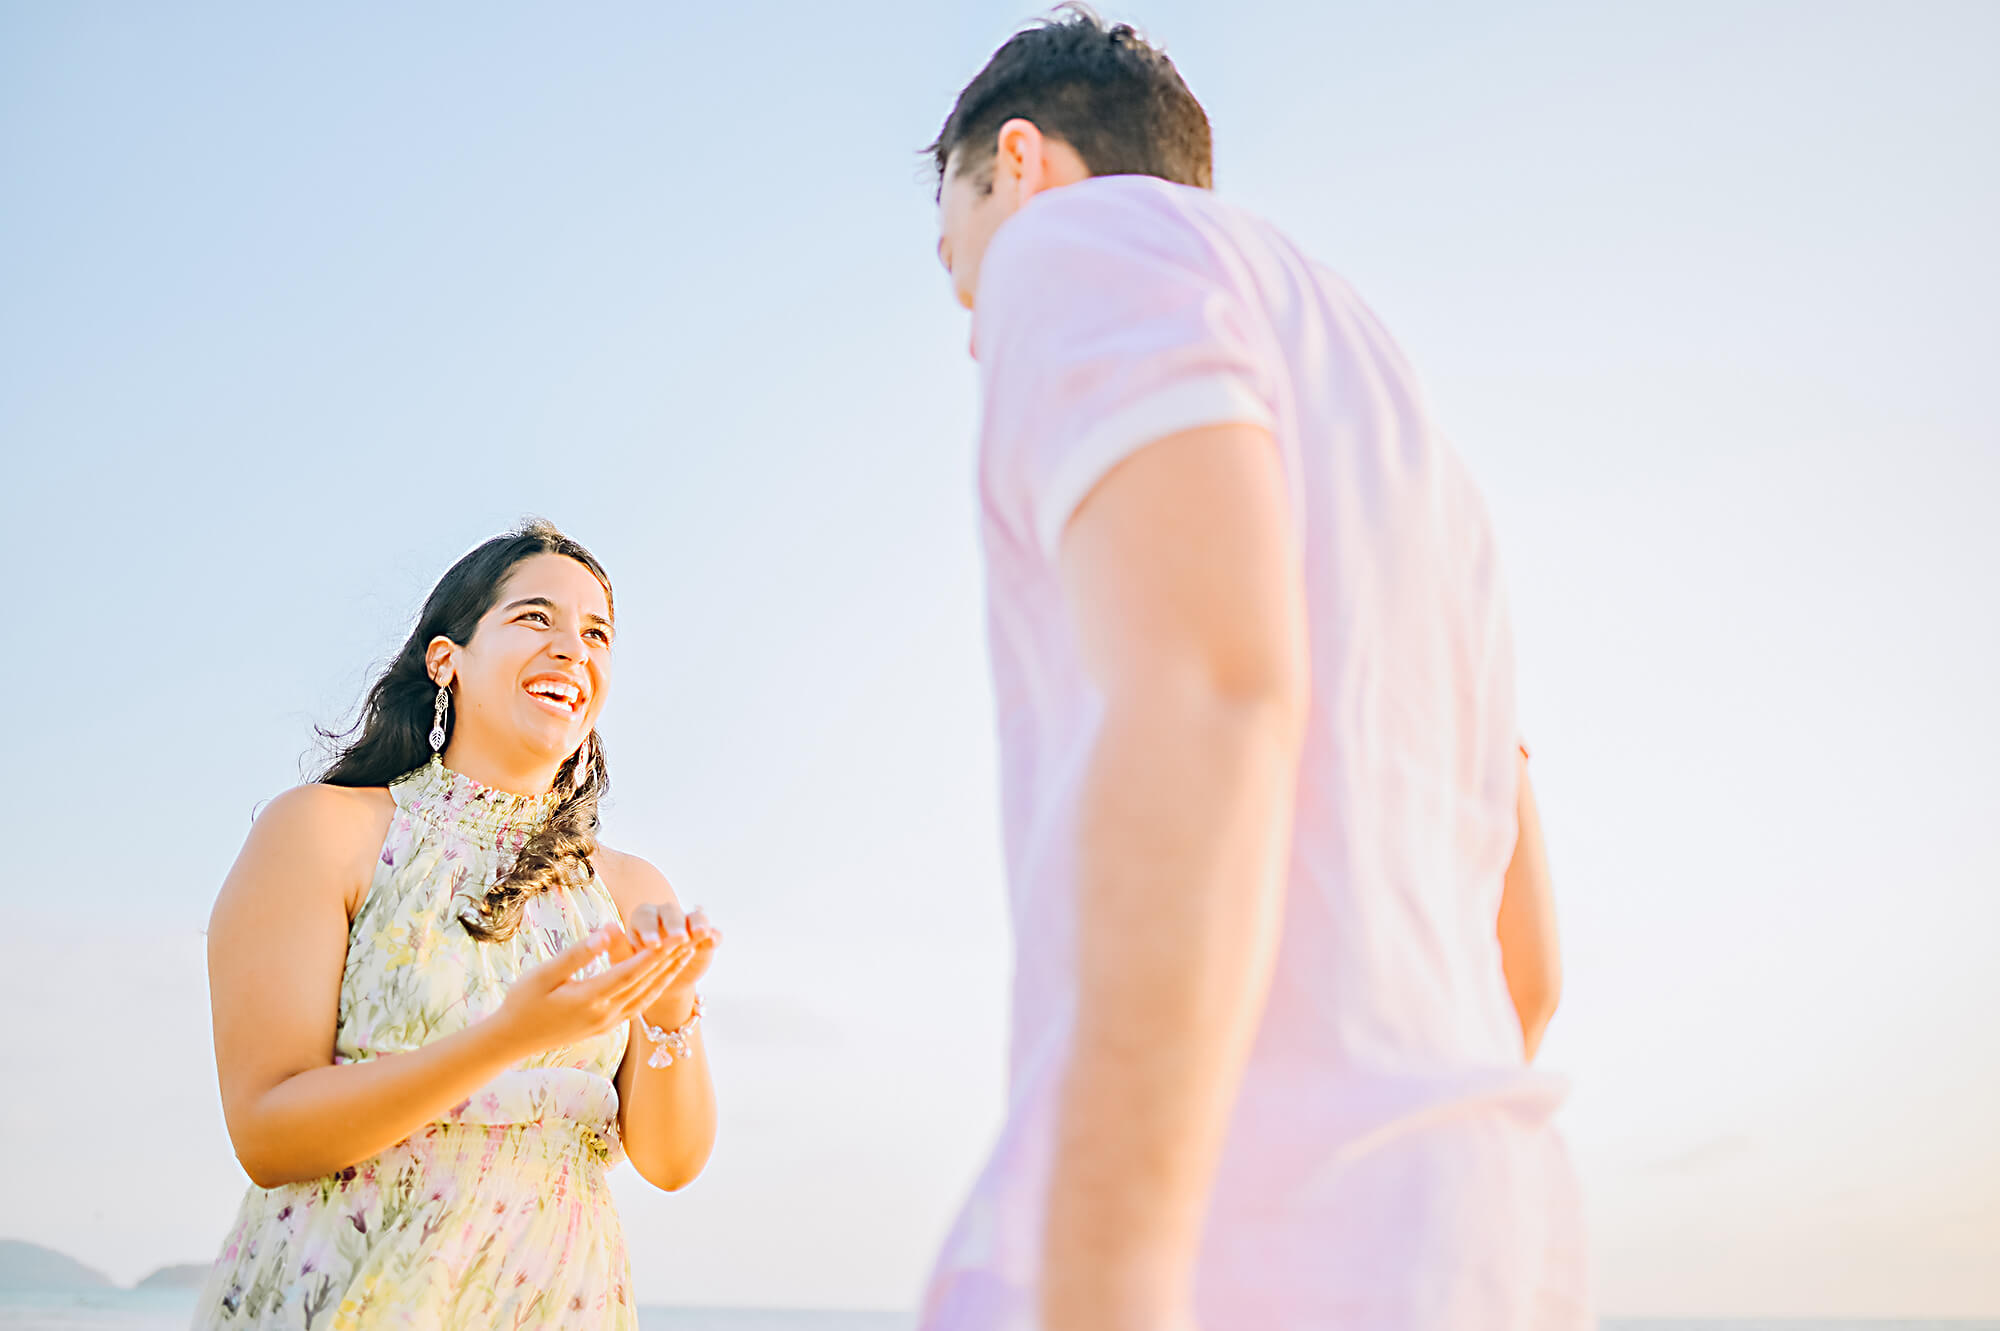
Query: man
{"points": [[1260, 780]]}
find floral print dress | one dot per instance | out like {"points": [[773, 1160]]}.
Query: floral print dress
{"points": [[497, 1214]]}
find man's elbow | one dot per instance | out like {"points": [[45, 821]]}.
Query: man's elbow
{"points": [[1269, 696], [1286, 700]]}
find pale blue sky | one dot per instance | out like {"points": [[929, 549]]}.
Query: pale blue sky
{"points": [[295, 306]]}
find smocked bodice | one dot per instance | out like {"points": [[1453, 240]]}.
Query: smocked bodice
{"points": [[413, 972]]}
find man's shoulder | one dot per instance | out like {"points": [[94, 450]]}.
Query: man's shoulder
{"points": [[1110, 228], [1186, 226], [1136, 202]]}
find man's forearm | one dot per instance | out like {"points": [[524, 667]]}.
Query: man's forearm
{"points": [[1185, 831]]}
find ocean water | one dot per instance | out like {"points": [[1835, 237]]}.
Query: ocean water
{"points": [[170, 1310]]}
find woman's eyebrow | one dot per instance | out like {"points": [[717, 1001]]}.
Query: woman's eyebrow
{"points": [[544, 603]]}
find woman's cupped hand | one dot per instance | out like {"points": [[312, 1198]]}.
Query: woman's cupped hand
{"points": [[662, 925], [558, 1003]]}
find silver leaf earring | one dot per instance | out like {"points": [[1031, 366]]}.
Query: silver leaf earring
{"points": [[437, 719], [581, 774]]}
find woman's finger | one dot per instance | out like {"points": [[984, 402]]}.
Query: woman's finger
{"points": [[564, 964], [698, 963], [641, 997], [596, 987], [641, 968], [645, 927], [652, 994], [617, 945], [658, 922], [652, 964]]}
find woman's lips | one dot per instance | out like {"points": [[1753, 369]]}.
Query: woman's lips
{"points": [[564, 697]]}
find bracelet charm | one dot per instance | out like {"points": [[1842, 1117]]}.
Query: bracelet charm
{"points": [[675, 1040]]}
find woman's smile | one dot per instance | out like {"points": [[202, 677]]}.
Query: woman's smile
{"points": [[558, 693]]}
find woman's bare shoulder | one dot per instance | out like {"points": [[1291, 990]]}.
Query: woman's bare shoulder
{"points": [[329, 834], [631, 879], [329, 811]]}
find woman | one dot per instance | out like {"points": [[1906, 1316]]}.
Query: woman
{"points": [[442, 1009]]}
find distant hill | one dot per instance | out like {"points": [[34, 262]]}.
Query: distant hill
{"points": [[182, 1275], [29, 1266]]}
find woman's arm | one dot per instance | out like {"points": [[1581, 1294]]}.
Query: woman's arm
{"points": [[1530, 953], [666, 1115], [277, 942]]}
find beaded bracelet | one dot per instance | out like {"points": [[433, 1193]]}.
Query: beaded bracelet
{"points": [[676, 1039]]}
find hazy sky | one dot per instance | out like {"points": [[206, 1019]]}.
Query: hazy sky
{"points": [[298, 304]]}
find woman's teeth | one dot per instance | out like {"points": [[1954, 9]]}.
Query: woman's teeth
{"points": [[566, 696]]}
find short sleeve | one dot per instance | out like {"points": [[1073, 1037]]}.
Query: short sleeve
{"points": [[1105, 321]]}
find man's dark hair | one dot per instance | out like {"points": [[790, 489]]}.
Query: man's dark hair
{"points": [[1102, 90]]}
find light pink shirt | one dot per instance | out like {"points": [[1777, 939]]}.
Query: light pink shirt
{"points": [[1390, 1163]]}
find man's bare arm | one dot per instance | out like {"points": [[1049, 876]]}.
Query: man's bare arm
{"points": [[1183, 584]]}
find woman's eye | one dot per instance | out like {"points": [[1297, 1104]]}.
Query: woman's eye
{"points": [[601, 636], [536, 616]]}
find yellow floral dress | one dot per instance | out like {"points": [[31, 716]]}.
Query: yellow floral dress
{"points": [[497, 1214]]}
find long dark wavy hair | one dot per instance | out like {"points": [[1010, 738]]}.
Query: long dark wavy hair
{"points": [[391, 737]]}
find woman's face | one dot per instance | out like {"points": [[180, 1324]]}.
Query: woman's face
{"points": [[534, 676]]}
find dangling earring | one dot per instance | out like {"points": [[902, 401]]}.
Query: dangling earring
{"points": [[580, 775], [437, 720]]}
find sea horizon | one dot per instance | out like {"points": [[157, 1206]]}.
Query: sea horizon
{"points": [[171, 1309]]}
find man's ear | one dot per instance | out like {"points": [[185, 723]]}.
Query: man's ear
{"points": [[1020, 160]]}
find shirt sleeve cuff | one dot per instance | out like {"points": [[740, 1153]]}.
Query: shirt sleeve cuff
{"points": [[1217, 399]]}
